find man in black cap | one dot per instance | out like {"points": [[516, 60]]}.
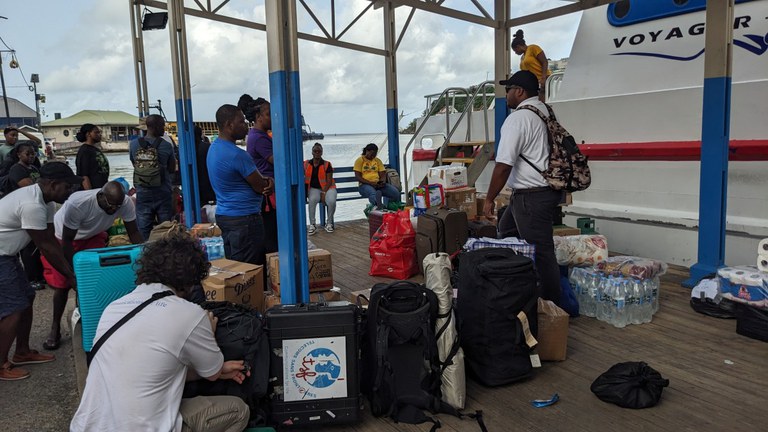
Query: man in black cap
{"points": [[27, 214], [523, 145]]}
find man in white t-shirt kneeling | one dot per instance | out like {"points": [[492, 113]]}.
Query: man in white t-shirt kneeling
{"points": [[136, 379], [81, 224]]}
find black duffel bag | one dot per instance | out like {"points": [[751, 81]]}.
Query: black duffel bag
{"points": [[630, 385], [497, 314]]}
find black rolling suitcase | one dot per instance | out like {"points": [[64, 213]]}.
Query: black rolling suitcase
{"points": [[314, 374], [440, 230]]}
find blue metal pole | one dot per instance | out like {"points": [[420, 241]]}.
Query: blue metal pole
{"points": [[501, 47], [715, 137], [284, 90], [390, 74]]}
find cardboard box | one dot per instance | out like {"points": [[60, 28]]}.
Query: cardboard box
{"points": [[450, 176], [567, 200], [202, 230], [320, 271], [462, 199], [480, 203], [564, 230], [272, 299], [553, 332], [235, 282]]}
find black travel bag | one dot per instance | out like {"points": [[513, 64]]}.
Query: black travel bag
{"points": [[314, 374], [402, 366], [497, 314], [481, 228], [752, 322]]}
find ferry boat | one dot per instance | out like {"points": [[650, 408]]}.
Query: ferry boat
{"points": [[632, 93]]}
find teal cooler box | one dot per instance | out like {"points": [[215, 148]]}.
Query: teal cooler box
{"points": [[103, 276]]}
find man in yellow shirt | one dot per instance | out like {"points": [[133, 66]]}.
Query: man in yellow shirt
{"points": [[371, 174]]}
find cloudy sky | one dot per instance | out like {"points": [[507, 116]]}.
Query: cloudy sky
{"points": [[82, 51]]}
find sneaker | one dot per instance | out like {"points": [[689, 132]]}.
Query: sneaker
{"points": [[10, 373], [312, 230], [37, 286], [329, 227], [32, 357]]}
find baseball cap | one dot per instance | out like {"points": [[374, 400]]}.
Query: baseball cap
{"points": [[59, 171], [524, 79]]}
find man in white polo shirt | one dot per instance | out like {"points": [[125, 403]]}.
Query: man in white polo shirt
{"points": [[82, 224], [26, 214], [524, 142]]}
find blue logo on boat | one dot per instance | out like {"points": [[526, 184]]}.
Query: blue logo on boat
{"points": [[628, 12]]}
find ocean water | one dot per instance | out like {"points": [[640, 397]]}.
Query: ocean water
{"points": [[341, 150]]}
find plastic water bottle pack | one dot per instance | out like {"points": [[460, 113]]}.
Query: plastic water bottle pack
{"points": [[617, 300], [213, 247]]}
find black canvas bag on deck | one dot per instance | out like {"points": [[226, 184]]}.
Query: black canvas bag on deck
{"points": [[497, 314], [630, 385], [402, 367], [240, 335]]}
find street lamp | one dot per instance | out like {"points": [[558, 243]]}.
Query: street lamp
{"points": [[2, 81], [34, 80]]}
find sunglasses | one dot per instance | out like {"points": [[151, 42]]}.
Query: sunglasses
{"points": [[508, 88], [109, 204]]}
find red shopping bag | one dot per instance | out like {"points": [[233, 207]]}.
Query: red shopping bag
{"points": [[393, 247]]}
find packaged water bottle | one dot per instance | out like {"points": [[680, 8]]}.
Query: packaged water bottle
{"points": [[604, 296], [620, 303], [656, 289], [573, 279], [591, 282], [219, 247], [636, 306], [647, 300]]}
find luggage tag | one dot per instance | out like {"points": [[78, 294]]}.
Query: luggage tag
{"points": [[529, 339], [541, 403]]}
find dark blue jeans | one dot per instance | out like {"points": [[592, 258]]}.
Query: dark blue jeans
{"points": [[375, 195], [152, 205], [243, 237]]}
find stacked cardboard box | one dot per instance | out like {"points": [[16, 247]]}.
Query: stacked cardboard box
{"points": [[235, 282], [202, 230], [334, 294], [462, 199], [320, 271]]}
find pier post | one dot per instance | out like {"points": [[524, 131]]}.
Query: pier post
{"points": [[390, 74], [284, 91], [501, 46], [185, 126], [715, 137]]}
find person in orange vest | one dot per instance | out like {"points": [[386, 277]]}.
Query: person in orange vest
{"points": [[318, 179]]}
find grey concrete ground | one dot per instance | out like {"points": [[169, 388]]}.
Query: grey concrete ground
{"points": [[47, 399]]}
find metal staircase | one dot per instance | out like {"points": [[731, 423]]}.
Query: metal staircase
{"points": [[470, 149]]}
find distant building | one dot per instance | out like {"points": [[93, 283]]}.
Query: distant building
{"points": [[558, 65], [20, 114], [116, 126]]}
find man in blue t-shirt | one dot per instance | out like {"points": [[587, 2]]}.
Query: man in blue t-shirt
{"points": [[239, 189], [154, 203]]}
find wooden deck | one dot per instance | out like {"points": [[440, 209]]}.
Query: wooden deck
{"points": [[718, 379]]}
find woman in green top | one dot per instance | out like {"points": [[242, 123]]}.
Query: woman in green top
{"points": [[370, 172]]}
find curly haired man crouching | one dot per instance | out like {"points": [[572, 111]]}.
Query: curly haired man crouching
{"points": [[135, 381]]}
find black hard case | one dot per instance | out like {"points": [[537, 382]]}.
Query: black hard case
{"points": [[315, 320]]}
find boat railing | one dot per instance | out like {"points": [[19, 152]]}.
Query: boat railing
{"points": [[452, 127], [553, 85]]}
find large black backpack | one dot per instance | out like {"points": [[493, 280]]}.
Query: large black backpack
{"points": [[402, 366], [494, 286], [240, 335]]}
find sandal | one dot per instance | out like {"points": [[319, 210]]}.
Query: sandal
{"points": [[52, 344], [10, 373]]}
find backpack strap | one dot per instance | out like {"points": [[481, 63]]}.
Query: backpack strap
{"points": [[122, 321], [536, 111]]}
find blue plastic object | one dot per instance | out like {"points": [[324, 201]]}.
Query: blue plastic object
{"points": [[541, 403], [103, 276]]}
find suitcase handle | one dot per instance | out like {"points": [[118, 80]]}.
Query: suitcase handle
{"points": [[114, 260]]}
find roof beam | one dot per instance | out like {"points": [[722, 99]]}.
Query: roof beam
{"points": [[556, 12], [436, 8]]}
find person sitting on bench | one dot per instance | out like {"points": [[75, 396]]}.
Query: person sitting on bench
{"points": [[371, 175]]}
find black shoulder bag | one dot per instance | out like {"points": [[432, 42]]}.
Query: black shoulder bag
{"points": [[90, 355]]}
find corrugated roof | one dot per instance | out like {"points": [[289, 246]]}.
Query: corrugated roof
{"points": [[17, 109], [99, 118]]}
